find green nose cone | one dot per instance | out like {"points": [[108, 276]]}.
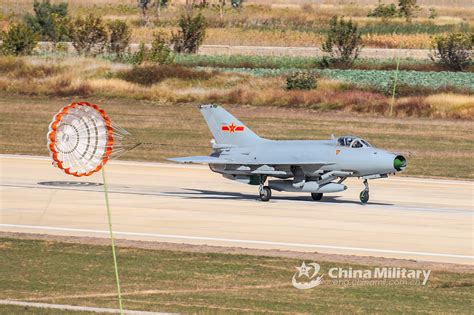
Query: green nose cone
{"points": [[399, 163]]}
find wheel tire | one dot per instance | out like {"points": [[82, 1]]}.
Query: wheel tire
{"points": [[316, 196], [364, 196], [265, 193]]}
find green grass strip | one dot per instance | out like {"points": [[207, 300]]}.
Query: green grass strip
{"points": [[109, 217]]}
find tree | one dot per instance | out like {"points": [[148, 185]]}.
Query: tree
{"points": [[20, 39], [384, 11], [191, 33], [119, 37], [89, 35], [159, 5], [143, 5], [453, 50], [48, 20], [407, 8], [343, 41]]}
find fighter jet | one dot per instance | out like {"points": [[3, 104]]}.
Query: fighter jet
{"points": [[309, 166]]}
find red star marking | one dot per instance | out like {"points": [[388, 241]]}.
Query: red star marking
{"points": [[232, 128]]}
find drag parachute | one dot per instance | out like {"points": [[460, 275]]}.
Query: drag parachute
{"points": [[82, 138]]}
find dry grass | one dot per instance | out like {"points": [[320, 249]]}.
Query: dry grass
{"points": [[284, 38], [86, 77], [436, 147], [412, 41], [452, 104]]}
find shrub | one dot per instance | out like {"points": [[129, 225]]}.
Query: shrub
{"points": [[20, 39], [301, 80], [343, 41], [191, 33], [160, 51], [119, 37], [136, 58], [384, 11], [151, 74], [49, 20], [61, 48], [453, 50], [433, 14], [62, 28], [89, 35], [407, 8]]}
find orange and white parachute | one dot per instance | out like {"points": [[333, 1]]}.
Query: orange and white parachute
{"points": [[82, 138]]}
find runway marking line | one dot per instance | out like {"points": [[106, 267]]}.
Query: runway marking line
{"points": [[76, 308], [237, 241]]}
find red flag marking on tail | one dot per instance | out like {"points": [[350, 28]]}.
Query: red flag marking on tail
{"points": [[232, 128]]}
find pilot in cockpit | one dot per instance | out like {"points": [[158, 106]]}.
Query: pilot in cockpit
{"points": [[352, 142]]}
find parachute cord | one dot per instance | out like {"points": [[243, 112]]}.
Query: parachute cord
{"points": [[109, 217]]}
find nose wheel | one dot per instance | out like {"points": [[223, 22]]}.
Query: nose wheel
{"points": [[264, 192], [364, 194]]}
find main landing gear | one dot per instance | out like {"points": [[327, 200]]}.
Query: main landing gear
{"points": [[265, 193], [364, 194], [316, 196]]}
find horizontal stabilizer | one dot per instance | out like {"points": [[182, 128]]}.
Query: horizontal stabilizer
{"points": [[201, 160]]}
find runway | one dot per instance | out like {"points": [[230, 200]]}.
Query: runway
{"points": [[409, 218]]}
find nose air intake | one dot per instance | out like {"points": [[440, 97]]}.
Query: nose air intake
{"points": [[400, 163]]}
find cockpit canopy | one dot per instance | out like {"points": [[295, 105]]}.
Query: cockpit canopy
{"points": [[352, 142]]}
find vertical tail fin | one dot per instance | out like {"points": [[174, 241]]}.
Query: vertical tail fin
{"points": [[227, 129]]}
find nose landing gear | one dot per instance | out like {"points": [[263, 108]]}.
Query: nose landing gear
{"points": [[265, 193], [364, 194]]}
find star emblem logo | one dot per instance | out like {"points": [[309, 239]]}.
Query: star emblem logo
{"points": [[303, 270], [310, 272]]}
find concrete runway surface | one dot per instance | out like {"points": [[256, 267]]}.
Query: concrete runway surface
{"points": [[409, 218]]}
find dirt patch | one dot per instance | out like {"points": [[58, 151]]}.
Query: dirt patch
{"points": [[152, 292]]}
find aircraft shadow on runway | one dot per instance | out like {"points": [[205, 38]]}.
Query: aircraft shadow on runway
{"points": [[216, 195]]}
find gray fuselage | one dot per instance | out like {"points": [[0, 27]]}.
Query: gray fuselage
{"points": [[360, 161]]}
